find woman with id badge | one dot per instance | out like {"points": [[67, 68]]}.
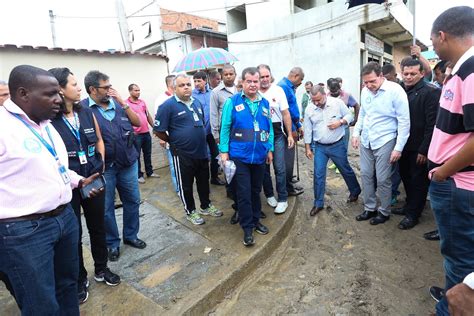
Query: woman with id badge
{"points": [[81, 135]]}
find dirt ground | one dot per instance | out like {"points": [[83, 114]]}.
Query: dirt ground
{"points": [[333, 265]]}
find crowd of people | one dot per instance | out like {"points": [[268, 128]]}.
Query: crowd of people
{"points": [[81, 152]]}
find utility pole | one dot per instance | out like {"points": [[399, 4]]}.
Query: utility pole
{"points": [[123, 26], [53, 29]]}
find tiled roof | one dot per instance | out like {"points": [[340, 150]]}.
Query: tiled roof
{"points": [[80, 51]]}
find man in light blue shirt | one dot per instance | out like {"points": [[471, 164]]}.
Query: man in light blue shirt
{"points": [[382, 129]]}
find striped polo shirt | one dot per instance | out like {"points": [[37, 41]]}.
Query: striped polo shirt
{"points": [[455, 121]]}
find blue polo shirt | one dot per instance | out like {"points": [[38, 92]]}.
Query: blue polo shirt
{"points": [[186, 134], [205, 99], [289, 89]]}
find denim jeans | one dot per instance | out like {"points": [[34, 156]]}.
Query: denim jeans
{"points": [[454, 213], [143, 143], [172, 171], [338, 154], [126, 182], [279, 145], [40, 259]]}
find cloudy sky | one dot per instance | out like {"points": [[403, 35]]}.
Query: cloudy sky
{"points": [[92, 24]]}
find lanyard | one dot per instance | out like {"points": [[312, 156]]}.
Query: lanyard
{"points": [[50, 148], [254, 114], [73, 130]]}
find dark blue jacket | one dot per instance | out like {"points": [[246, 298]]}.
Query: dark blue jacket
{"points": [[246, 144], [117, 135]]}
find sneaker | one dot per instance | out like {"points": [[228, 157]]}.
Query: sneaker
{"points": [[332, 166], [82, 292], [195, 218], [436, 293], [281, 208], [272, 201], [211, 210], [248, 239], [108, 277], [141, 180], [153, 175], [261, 229]]}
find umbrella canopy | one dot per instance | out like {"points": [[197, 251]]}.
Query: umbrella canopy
{"points": [[204, 58]]}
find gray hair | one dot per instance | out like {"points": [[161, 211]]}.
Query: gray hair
{"points": [[296, 71], [180, 76], [318, 89], [3, 83]]}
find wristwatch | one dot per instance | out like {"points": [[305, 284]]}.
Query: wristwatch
{"points": [[125, 108]]}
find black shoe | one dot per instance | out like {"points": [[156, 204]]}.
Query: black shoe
{"points": [[137, 243], [352, 198], [217, 181], [114, 254], [294, 180], [235, 218], [297, 188], [263, 215], [261, 229], [229, 194], [315, 210], [295, 192], [399, 211], [379, 219], [365, 215], [248, 238], [108, 277], [407, 223], [436, 293], [433, 235], [82, 291]]}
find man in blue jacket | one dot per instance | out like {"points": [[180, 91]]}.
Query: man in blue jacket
{"points": [[289, 84], [246, 137]]}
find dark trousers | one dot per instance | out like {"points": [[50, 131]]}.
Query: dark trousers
{"points": [[248, 180], [211, 142], [416, 183], [187, 169], [143, 144], [290, 164], [94, 214]]}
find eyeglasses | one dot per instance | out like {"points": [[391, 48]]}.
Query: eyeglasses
{"points": [[104, 87]]}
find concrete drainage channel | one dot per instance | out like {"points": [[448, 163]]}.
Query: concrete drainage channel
{"points": [[206, 301]]}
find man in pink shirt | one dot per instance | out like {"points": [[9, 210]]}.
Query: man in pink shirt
{"points": [[451, 152], [142, 133], [38, 228]]}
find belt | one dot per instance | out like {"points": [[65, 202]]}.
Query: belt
{"points": [[337, 141], [32, 217]]}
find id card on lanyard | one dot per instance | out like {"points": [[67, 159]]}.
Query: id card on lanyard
{"points": [[62, 170], [81, 154], [256, 126]]}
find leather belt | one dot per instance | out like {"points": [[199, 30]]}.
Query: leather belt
{"points": [[32, 217], [330, 143]]}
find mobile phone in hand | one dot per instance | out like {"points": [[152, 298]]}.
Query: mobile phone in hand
{"points": [[98, 183]]}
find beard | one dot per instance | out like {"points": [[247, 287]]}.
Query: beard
{"points": [[105, 99]]}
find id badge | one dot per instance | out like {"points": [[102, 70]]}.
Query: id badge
{"points": [[82, 157], [256, 127], [196, 117], [64, 174]]}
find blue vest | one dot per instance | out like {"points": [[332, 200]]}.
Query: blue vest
{"points": [[117, 135], [248, 135], [88, 141]]}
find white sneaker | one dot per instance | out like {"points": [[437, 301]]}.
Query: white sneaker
{"points": [[281, 208], [154, 175], [272, 201], [141, 180]]}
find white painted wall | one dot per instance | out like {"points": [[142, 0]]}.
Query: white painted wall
{"points": [[324, 41], [148, 72]]}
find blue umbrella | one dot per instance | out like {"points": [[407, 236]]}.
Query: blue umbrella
{"points": [[204, 58]]}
